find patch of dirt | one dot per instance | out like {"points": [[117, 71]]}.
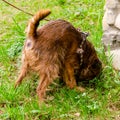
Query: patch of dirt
{"points": [[114, 106], [114, 109]]}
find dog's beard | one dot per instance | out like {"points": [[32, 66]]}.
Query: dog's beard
{"points": [[91, 71]]}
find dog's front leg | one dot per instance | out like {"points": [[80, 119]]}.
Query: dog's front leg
{"points": [[68, 76]]}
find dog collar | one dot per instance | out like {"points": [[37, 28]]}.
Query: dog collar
{"points": [[80, 49]]}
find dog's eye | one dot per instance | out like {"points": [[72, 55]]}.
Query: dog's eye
{"points": [[96, 64]]}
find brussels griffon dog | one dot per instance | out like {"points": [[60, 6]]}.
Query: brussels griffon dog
{"points": [[57, 49]]}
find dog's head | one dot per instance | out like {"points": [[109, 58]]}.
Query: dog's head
{"points": [[90, 65]]}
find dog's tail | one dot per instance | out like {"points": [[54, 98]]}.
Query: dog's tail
{"points": [[34, 22]]}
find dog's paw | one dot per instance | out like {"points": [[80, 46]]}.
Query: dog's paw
{"points": [[16, 84], [80, 89]]}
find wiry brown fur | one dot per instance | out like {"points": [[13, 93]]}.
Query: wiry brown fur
{"points": [[51, 51]]}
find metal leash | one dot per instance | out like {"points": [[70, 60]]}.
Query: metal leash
{"points": [[21, 9]]}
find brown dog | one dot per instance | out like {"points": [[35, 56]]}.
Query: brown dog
{"points": [[52, 52]]}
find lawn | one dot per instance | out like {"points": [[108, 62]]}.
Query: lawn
{"points": [[100, 101]]}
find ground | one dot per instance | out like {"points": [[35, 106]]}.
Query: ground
{"points": [[100, 101]]}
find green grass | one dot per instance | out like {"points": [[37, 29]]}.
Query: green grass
{"points": [[100, 101]]}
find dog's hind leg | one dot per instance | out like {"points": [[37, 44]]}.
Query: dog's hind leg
{"points": [[47, 75], [42, 86], [23, 72]]}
